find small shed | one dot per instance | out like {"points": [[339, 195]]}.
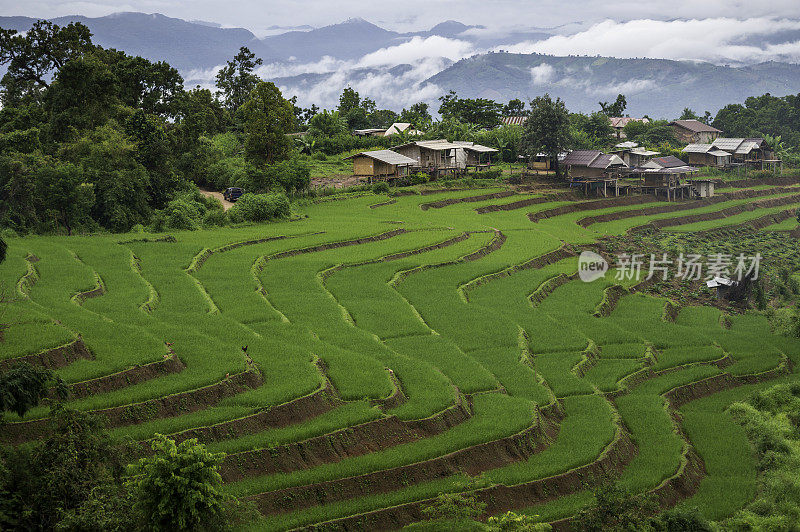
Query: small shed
{"points": [[707, 155], [378, 164], [633, 154], [723, 286], [400, 127], [371, 132], [703, 188]]}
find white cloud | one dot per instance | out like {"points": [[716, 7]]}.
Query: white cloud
{"points": [[712, 39], [417, 49], [542, 74]]}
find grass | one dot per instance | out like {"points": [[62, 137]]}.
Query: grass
{"points": [[444, 325]]}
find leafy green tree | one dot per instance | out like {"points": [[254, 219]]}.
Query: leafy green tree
{"points": [[481, 112], [327, 124], [236, 80], [615, 108], [151, 87], [547, 129], [615, 510], [24, 386], [179, 487], [83, 96], [63, 191], [33, 56], [382, 118], [267, 118], [454, 506], [515, 107], [598, 128], [121, 183], [417, 114], [348, 100], [48, 481], [688, 114]]}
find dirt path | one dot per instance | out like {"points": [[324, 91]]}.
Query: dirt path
{"points": [[210, 193]]}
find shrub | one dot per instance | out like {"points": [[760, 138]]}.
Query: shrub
{"points": [[215, 218], [381, 187], [319, 156], [494, 173], [260, 207], [419, 178]]}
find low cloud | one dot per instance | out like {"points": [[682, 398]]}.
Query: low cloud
{"points": [[542, 74], [713, 39]]}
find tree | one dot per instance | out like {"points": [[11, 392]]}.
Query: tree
{"points": [[24, 386], [235, 81], [417, 114], [598, 128], [515, 107], [615, 510], [57, 476], [152, 87], [62, 189], [512, 522], [481, 112], [454, 506], [547, 129], [267, 118], [33, 56], [179, 487], [688, 114], [617, 108], [327, 124], [348, 100]]}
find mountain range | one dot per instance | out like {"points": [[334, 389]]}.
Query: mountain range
{"points": [[317, 63]]}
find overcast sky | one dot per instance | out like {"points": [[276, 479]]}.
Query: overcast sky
{"points": [[257, 15]]}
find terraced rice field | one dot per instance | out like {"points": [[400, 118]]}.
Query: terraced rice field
{"points": [[377, 352]]}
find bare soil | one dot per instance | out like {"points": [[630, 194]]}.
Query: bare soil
{"points": [[213, 194]]}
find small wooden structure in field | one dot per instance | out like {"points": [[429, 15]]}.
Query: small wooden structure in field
{"points": [[707, 155], [474, 155], [380, 164], [434, 157], [594, 171]]}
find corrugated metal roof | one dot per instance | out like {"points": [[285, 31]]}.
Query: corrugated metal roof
{"points": [[439, 144], [719, 153], [471, 146], [627, 145], [727, 144], [675, 170], [695, 126], [514, 120], [385, 156], [746, 147], [643, 152], [697, 148], [607, 159], [670, 161], [622, 121], [581, 157]]}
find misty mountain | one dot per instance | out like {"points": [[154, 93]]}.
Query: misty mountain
{"points": [[184, 45], [656, 87]]}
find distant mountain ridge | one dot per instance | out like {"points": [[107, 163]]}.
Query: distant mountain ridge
{"points": [[657, 87]]}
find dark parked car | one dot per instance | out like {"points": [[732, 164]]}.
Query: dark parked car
{"points": [[232, 193]]}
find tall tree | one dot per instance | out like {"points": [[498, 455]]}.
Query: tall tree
{"points": [[515, 107], [62, 190], [615, 108], [348, 100], [547, 129], [267, 118], [34, 56], [417, 114], [236, 80], [24, 386], [179, 487]]}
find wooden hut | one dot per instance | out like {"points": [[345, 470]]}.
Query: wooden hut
{"points": [[707, 155], [380, 164], [474, 155], [592, 164], [434, 157], [694, 131]]}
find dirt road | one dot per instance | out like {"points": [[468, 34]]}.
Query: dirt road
{"points": [[225, 203]]}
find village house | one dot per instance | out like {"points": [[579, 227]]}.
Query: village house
{"points": [[592, 164], [694, 131], [707, 155], [619, 123], [752, 151], [380, 164], [372, 132], [400, 127], [667, 175], [431, 156], [632, 153], [473, 155]]}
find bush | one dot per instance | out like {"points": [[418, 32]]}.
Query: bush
{"points": [[419, 178], [381, 187], [260, 207], [494, 173]]}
